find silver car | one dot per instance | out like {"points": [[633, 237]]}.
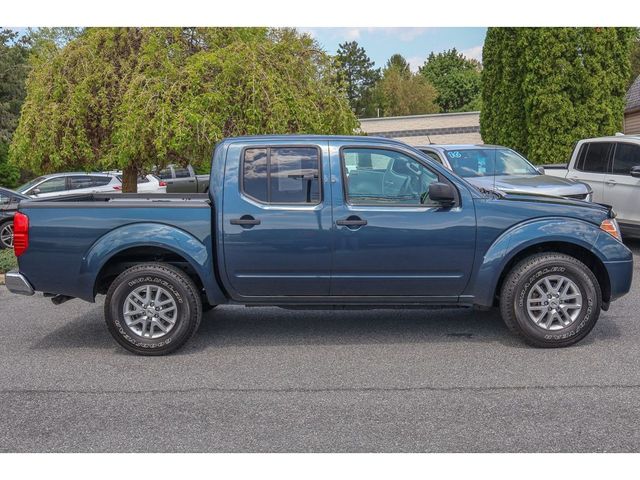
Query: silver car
{"points": [[500, 168]]}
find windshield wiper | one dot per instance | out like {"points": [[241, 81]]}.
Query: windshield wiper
{"points": [[492, 191]]}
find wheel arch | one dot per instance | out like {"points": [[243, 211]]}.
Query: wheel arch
{"points": [[574, 250], [148, 242], [562, 235]]}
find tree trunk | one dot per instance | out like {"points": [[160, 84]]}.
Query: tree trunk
{"points": [[130, 179]]}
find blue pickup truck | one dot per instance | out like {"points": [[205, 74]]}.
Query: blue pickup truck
{"points": [[323, 222]]}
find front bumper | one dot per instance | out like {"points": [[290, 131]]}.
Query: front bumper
{"points": [[17, 283]]}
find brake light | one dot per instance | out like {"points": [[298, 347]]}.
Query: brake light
{"points": [[610, 226], [117, 187], [162, 184], [20, 233]]}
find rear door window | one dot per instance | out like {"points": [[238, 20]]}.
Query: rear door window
{"points": [[626, 156], [596, 157], [282, 175], [78, 182], [100, 180]]}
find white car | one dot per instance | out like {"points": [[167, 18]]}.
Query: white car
{"points": [[58, 184], [146, 183], [611, 165]]}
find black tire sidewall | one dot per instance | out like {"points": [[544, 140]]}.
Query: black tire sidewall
{"points": [[181, 331], [590, 298]]}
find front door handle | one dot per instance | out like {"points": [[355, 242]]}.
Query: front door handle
{"points": [[610, 181], [245, 221], [352, 221]]}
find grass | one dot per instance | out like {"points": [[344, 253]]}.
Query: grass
{"points": [[8, 260]]}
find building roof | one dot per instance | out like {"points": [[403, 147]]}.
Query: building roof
{"points": [[633, 96]]}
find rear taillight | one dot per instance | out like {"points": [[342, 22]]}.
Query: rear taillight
{"points": [[162, 184], [117, 187], [20, 233]]}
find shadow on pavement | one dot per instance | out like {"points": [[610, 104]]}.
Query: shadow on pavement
{"points": [[240, 326]]}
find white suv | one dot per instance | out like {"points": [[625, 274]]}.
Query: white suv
{"points": [[611, 165]]}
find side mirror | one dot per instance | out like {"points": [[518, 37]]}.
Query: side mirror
{"points": [[635, 171], [35, 191], [540, 170], [442, 193]]}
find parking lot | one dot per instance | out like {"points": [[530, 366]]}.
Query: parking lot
{"points": [[266, 379]]}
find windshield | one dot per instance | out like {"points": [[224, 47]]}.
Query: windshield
{"points": [[29, 184], [488, 162]]}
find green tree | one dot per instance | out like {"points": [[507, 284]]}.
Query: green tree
{"points": [[357, 71], [545, 88], [399, 63], [404, 94], [635, 58], [456, 78], [14, 52], [133, 98]]}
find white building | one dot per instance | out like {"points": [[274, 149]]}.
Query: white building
{"points": [[424, 129]]}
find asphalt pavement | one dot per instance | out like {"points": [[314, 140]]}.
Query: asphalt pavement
{"points": [[270, 380]]}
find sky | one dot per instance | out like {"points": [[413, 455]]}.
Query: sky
{"points": [[413, 43]]}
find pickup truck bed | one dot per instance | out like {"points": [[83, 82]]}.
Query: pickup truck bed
{"points": [[319, 222]]}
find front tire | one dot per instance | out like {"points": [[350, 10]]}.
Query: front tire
{"points": [[153, 309], [550, 300]]}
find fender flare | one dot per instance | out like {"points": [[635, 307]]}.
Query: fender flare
{"points": [[522, 236], [150, 234]]}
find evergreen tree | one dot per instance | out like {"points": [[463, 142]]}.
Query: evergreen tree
{"points": [[456, 78], [14, 53], [399, 63], [357, 72], [635, 58], [545, 88]]}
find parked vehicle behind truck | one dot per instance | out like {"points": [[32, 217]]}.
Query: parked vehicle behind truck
{"points": [[494, 166], [611, 165], [319, 222], [8, 207], [183, 179]]}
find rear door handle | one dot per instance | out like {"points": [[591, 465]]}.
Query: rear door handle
{"points": [[352, 221], [246, 221]]}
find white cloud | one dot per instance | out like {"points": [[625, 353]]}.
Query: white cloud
{"points": [[415, 63], [404, 34], [473, 52]]}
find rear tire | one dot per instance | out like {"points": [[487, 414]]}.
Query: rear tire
{"points": [[550, 300], [152, 309]]}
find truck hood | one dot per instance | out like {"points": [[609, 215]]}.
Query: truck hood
{"points": [[532, 184], [544, 205]]}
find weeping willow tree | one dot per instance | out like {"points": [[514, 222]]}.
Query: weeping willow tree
{"points": [[134, 98]]}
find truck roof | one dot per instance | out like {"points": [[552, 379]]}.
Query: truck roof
{"points": [[312, 138], [461, 146]]}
